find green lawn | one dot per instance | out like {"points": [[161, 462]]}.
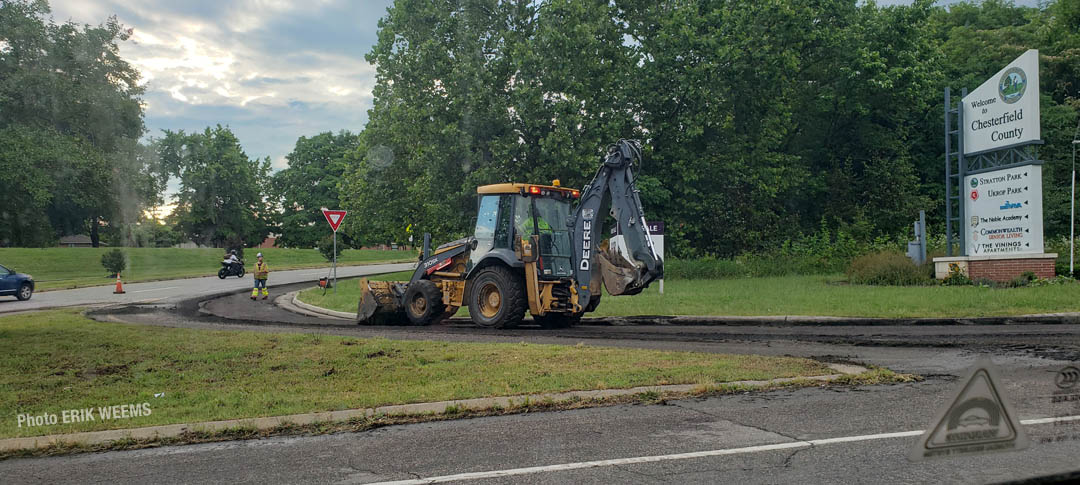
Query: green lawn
{"points": [[801, 295], [54, 268], [59, 360]]}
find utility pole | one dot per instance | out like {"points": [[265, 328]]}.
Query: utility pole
{"points": [[1072, 204]]}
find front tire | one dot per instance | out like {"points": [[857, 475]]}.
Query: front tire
{"points": [[423, 302], [241, 274], [497, 298], [25, 292]]}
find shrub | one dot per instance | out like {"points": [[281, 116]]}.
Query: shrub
{"points": [[702, 268], [326, 248], [114, 261], [956, 277], [886, 268]]}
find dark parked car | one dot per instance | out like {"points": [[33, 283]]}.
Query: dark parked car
{"points": [[19, 285]]}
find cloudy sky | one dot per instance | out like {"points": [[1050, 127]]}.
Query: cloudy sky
{"points": [[272, 70]]}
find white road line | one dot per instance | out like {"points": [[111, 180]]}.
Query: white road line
{"points": [[157, 289], [682, 456]]}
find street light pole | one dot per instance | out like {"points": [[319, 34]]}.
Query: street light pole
{"points": [[1072, 206]]}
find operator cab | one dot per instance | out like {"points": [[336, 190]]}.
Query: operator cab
{"points": [[508, 213]]}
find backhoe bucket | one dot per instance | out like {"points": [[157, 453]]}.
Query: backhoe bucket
{"points": [[380, 302], [619, 275]]}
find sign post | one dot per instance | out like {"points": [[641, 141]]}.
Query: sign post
{"points": [[334, 218], [993, 178]]}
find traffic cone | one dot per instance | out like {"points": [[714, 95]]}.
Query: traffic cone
{"points": [[119, 286]]}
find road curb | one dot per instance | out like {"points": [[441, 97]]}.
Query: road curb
{"points": [[266, 423], [302, 308], [789, 320], [291, 302]]}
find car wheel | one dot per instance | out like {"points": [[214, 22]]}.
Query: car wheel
{"points": [[25, 292], [497, 298]]}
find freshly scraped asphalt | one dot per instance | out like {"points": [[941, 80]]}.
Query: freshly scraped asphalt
{"points": [[1029, 357]]}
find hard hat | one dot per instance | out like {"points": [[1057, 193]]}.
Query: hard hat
{"points": [[258, 255]]}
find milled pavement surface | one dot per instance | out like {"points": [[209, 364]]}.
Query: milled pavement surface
{"points": [[504, 449]]}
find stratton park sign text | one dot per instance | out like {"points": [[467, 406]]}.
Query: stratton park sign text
{"points": [[1003, 209]]}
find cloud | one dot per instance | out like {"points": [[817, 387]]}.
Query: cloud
{"points": [[271, 70]]}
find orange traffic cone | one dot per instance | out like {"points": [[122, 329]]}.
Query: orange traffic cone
{"points": [[119, 286]]}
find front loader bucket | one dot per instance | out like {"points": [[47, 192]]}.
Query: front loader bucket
{"points": [[619, 275], [380, 303]]}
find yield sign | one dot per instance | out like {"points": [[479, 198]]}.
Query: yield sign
{"points": [[334, 217]]}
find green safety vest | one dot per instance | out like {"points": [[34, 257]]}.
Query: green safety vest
{"points": [[526, 227]]}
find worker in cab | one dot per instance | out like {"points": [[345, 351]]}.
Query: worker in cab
{"points": [[262, 272], [526, 227]]}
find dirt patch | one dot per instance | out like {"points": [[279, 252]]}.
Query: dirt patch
{"points": [[107, 370]]}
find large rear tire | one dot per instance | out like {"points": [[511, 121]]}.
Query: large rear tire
{"points": [[222, 273], [497, 298], [423, 302]]}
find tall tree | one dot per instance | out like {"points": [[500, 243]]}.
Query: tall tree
{"points": [[221, 201], [65, 88], [763, 121], [311, 182]]}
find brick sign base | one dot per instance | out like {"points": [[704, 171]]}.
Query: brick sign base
{"points": [[998, 268]]}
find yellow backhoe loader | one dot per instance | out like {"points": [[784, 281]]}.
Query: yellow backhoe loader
{"points": [[533, 249]]}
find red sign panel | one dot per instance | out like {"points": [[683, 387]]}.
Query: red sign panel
{"points": [[334, 217]]}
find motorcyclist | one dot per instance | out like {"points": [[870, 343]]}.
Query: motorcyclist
{"points": [[231, 261]]}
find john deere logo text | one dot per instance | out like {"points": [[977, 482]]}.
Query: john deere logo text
{"points": [[1012, 85]]}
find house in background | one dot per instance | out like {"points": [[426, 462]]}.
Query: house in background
{"points": [[79, 241]]}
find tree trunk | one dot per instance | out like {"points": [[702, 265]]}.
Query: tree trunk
{"points": [[95, 238]]}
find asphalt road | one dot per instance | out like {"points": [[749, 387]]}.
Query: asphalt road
{"points": [[172, 291], [813, 435]]}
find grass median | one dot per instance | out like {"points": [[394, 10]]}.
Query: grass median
{"points": [[56, 268], [60, 360], [798, 295]]}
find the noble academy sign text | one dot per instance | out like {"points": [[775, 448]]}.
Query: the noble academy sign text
{"points": [[1003, 212]]}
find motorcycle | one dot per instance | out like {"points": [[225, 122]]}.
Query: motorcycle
{"points": [[231, 269]]}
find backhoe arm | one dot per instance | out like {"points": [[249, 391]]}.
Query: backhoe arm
{"points": [[613, 187]]}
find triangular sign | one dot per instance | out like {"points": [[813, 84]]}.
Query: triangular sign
{"points": [[977, 419], [334, 217]]}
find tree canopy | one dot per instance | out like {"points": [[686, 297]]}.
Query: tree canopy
{"points": [[70, 120], [310, 183], [221, 198], [762, 121]]}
